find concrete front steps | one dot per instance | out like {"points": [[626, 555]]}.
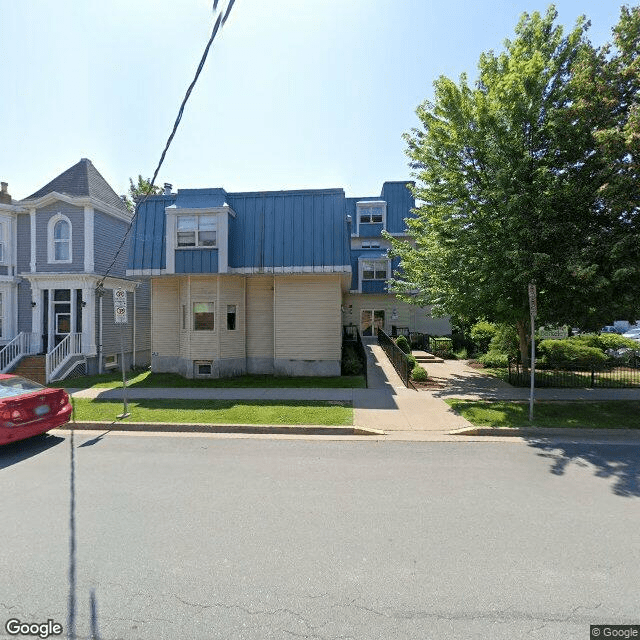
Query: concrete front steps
{"points": [[422, 357], [32, 367]]}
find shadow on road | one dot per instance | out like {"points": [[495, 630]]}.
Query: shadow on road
{"points": [[621, 463], [18, 451]]}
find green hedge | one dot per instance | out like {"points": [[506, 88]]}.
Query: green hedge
{"points": [[570, 353], [604, 341]]}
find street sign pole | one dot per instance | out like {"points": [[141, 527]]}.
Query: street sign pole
{"points": [[120, 315], [533, 310]]}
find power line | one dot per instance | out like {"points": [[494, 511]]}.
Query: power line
{"points": [[220, 21]]}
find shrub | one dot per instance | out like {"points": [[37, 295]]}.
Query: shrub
{"points": [[461, 354], [351, 365], [604, 341], [505, 341], [495, 359], [571, 353], [481, 333], [412, 360], [403, 343], [419, 374]]}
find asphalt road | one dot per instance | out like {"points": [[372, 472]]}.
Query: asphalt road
{"points": [[193, 537]]}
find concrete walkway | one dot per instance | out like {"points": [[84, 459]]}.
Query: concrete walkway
{"points": [[387, 405]]}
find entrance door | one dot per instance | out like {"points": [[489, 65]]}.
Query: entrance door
{"points": [[370, 321], [61, 314]]}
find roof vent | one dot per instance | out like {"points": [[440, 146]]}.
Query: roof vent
{"points": [[167, 188]]}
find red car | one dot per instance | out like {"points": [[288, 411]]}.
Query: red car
{"points": [[27, 408]]}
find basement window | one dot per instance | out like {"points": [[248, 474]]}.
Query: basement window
{"points": [[111, 361], [203, 369]]}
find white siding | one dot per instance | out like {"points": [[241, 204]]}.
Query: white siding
{"points": [[164, 317], [307, 317], [203, 345], [259, 299], [232, 343]]}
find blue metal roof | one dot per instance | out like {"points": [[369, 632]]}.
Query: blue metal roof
{"points": [[147, 245], [271, 230], [291, 230]]}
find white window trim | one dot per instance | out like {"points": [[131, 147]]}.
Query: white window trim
{"points": [[111, 361], [361, 262], [367, 204], [193, 316], [51, 250], [197, 216], [4, 242]]}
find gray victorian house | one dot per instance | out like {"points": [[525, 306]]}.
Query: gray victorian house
{"points": [[56, 305]]}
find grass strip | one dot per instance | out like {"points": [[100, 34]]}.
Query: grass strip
{"points": [[218, 411], [148, 380], [615, 414]]}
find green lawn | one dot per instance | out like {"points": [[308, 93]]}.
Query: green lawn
{"points": [[618, 414], [146, 380], [218, 411]]}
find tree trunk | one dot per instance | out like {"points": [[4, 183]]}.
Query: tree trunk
{"points": [[523, 340]]}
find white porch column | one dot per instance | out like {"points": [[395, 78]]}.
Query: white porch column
{"points": [[89, 321], [37, 317], [74, 305], [51, 320]]}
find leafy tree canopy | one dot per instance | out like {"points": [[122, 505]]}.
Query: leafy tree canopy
{"points": [[138, 190], [511, 185]]}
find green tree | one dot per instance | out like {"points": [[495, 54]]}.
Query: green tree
{"points": [[138, 190], [607, 86], [507, 186]]}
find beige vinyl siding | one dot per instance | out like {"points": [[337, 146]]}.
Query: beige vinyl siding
{"points": [[259, 313], [307, 317], [416, 318], [203, 345], [164, 317], [232, 343]]}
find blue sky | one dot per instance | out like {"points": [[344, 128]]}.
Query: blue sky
{"points": [[294, 94]]}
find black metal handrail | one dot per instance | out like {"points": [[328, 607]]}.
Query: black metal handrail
{"points": [[396, 356]]}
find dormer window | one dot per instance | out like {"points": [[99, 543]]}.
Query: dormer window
{"points": [[370, 213], [60, 236], [196, 231]]}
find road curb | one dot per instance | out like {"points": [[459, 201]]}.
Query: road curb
{"points": [[548, 432], [286, 429]]}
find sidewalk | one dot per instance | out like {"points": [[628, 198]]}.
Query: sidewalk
{"points": [[387, 405]]}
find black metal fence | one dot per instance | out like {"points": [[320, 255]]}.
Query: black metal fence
{"points": [[614, 375], [396, 356]]}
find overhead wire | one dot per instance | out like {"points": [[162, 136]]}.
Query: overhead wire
{"points": [[219, 23]]}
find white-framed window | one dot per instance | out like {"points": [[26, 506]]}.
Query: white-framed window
{"points": [[204, 316], [370, 244], [375, 269], [198, 231], [60, 235], [371, 212]]}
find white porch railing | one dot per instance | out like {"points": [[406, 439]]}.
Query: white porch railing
{"points": [[23, 344], [71, 345]]}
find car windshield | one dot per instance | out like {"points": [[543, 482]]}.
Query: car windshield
{"points": [[16, 386]]}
